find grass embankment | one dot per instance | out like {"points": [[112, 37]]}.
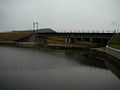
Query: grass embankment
{"points": [[12, 36], [100, 49], [61, 41], [115, 43]]}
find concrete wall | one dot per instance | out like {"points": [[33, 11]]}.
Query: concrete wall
{"points": [[113, 52], [27, 44]]}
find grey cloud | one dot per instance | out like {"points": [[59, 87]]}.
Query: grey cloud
{"points": [[59, 14]]}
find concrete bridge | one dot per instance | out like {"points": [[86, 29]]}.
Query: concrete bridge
{"points": [[101, 38]]}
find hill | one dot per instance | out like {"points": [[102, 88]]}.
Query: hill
{"points": [[12, 36], [15, 35], [43, 30]]}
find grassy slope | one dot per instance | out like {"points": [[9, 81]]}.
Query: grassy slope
{"points": [[61, 41], [11, 36], [115, 43]]}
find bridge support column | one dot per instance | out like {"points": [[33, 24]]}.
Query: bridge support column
{"points": [[71, 40], [40, 41], [91, 40], [81, 39]]}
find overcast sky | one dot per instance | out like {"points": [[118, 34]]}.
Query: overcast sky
{"points": [[69, 15]]}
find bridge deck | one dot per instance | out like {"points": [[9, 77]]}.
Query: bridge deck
{"points": [[79, 35]]}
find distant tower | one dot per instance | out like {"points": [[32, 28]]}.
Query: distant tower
{"points": [[35, 26]]}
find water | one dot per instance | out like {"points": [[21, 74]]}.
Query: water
{"points": [[36, 69]]}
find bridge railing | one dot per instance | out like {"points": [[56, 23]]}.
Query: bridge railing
{"points": [[88, 31]]}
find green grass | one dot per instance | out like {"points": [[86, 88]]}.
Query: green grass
{"points": [[115, 45], [62, 41], [101, 48], [116, 39], [12, 36]]}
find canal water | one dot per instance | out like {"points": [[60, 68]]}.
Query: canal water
{"points": [[38, 69]]}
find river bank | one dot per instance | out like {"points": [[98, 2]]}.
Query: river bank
{"points": [[100, 53], [111, 61], [69, 46], [103, 54], [48, 45]]}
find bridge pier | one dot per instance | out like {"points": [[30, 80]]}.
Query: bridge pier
{"points": [[41, 41], [91, 40], [71, 40]]}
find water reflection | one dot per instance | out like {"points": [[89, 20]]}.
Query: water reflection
{"points": [[114, 66], [88, 59], [84, 58], [39, 69]]}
